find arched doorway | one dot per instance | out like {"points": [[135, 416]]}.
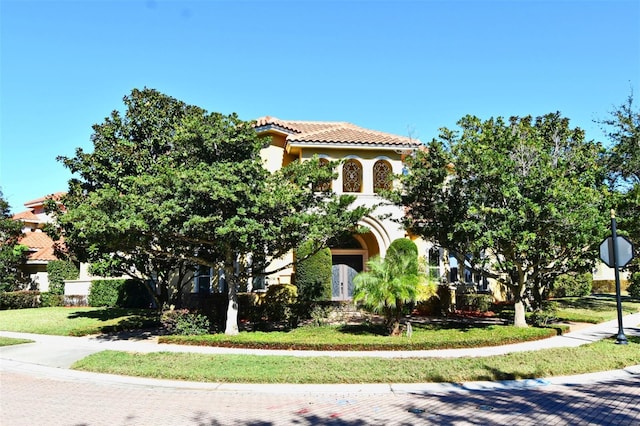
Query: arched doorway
{"points": [[348, 257]]}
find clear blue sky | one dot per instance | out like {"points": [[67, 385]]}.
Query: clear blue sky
{"points": [[404, 67]]}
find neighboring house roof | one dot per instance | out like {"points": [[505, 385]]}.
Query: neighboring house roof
{"points": [[40, 245], [26, 216], [39, 201], [332, 133]]}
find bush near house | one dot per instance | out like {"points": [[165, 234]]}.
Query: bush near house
{"points": [[121, 293], [634, 287], [607, 286], [19, 299], [313, 275], [572, 285], [279, 303], [58, 271]]}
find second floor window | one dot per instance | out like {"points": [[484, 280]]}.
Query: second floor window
{"points": [[381, 176], [352, 176]]}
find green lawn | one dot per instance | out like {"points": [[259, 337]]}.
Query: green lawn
{"points": [[8, 341], [75, 321], [594, 309], [599, 356], [370, 337]]}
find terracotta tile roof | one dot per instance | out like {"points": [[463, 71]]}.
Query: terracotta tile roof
{"points": [[333, 132], [26, 216], [40, 245], [38, 201]]}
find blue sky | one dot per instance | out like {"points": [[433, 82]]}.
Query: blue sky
{"points": [[404, 67]]}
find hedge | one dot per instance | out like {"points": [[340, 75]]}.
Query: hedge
{"points": [[313, 275], [58, 271], [121, 293], [19, 299]]}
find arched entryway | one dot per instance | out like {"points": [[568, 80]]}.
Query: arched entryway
{"points": [[349, 257]]}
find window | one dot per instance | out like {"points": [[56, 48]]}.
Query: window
{"points": [[381, 176], [323, 186], [352, 176], [202, 280]]}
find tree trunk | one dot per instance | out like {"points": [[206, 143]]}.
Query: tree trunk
{"points": [[231, 328], [519, 320]]}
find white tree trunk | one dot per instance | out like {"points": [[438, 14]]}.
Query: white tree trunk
{"points": [[519, 320], [231, 328]]}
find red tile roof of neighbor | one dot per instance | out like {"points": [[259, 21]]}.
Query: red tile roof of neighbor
{"points": [[40, 244], [333, 132], [26, 216], [56, 196]]}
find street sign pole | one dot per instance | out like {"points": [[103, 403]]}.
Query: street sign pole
{"points": [[621, 339]]}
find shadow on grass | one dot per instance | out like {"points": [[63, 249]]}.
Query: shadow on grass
{"points": [[130, 319], [108, 314], [595, 302]]}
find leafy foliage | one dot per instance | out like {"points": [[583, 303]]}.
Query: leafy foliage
{"points": [[521, 199], [572, 285], [170, 185], [12, 254], [185, 323], [390, 284], [634, 287], [58, 271], [122, 293], [313, 274], [19, 299], [622, 128]]}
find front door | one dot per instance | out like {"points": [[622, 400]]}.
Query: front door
{"points": [[345, 267]]}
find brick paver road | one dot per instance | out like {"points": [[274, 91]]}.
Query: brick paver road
{"points": [[28, 398]]}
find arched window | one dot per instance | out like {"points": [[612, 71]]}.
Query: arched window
{"points": [[323, 186], [352, 176], [381, 176]]}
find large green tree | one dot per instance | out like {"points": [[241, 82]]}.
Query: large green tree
{"points": [[520, 199], [622, 128], [169, 184], [12, 254]]}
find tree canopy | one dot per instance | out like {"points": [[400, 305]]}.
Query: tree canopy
{"points": [[12, 254], [169, 184], [622, 128], [519, 200]]}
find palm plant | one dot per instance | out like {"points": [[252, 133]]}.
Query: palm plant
{"points": [[389, 285]]}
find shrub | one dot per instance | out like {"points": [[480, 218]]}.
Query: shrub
{"points": [[634, 287], [279, 301], [404, 246], [249, 307], [313, 275], [543, 316], [58, 271], [19, 299], [608, 286], [568, 285], [51, 300], [474, 302], [185, 323], [120, 293], [134, 294]]}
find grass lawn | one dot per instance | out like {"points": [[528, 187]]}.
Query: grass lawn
{"points": [[599, 356], [75, 321], [363, 337], [8, 341], [594, 309]]}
